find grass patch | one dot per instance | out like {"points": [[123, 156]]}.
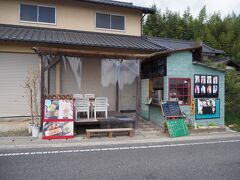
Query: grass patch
{"points": [[15, 133], [233, 121]]}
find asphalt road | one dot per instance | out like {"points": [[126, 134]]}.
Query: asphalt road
{"points": [[199, 160]]}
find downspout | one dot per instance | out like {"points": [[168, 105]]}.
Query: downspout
{"points": [[142, 23]]}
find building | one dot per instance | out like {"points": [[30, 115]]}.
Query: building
{"points": [[96, 46], [181, 75], [91, 30], [173, 44]]}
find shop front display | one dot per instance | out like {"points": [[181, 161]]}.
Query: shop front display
{"points": [[58, 119]]}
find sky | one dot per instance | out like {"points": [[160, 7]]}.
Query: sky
{"points": [[224, 6]]}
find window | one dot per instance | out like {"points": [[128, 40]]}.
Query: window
{"points": [[180, 90], [109, 21], [35, 13]]}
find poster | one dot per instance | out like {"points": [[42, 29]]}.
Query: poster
{"points": [[207, 108], [58, 109], [57, 129], [206, 86], [58, 119]]}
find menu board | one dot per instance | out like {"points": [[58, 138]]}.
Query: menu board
{"points": [[177, 128], [58, 119], [206, 86], [171, 109], [57, 128]]}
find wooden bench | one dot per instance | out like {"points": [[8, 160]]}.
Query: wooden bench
{"points": [[89, 132]]}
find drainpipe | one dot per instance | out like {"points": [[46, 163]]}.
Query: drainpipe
{"points": [[142, 23]]}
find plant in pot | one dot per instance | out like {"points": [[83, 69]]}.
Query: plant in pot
{"points": [[31, 84]]}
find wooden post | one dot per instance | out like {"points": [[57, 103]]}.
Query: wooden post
{"points": [[41, 67], [117, 97], [138, 94], [58, 78], [48, 79]]}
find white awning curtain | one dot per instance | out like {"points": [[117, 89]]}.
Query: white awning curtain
{"points": [[76, 67], [122, 71]]}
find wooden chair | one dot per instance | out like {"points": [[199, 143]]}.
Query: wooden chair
{"points": [[81, 105], [101, 105]]}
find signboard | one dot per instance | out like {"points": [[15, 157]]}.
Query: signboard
{"points": [[58, 119], [177, 128], [192, 107], [171, 109], [57, 129], [207, 108], [206, 86]]}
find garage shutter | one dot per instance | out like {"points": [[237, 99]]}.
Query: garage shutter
{"points": [[13, 71]]}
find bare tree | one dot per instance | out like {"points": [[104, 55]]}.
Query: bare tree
{"points": [[32, 86]]}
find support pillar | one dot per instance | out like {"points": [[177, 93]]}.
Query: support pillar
{"points": [[138, 94], [58, 78]]}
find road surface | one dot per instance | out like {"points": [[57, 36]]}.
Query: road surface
{"points": [[194, 160]]}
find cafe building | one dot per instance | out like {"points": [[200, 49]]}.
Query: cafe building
{"points": [[180, 75]]}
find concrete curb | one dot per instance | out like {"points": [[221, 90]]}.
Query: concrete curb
{"points": [[28, 142]]}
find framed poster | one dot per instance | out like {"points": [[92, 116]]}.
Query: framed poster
{"points": [[57, 129], [58, 122], [58, 109], [207, 108], [206, 86]]}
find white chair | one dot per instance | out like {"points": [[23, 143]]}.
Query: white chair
{"points": [[90, 96], [77, 96], [81, 105], [101, 105]]}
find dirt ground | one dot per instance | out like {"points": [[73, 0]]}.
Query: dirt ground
{"points": [[19, 124]]}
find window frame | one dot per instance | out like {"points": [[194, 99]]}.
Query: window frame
{"points": [[97, 12], [37, 22], [189, 89]]}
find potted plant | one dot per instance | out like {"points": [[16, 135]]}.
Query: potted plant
{"points": [[31, 84]]}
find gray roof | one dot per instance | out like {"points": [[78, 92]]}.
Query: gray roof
{"points": [[76, 38], [120, 4], [174, 44]]}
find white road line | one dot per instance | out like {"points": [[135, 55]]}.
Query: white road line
{"points": [[116, 148]]}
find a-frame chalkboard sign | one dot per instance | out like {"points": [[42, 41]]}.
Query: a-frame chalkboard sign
{"points": [[174, 119], [171, 109]]}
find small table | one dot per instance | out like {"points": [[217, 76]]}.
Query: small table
{"points": [[121, 120]]}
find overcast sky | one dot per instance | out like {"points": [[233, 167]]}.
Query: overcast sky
{"points": [[223, 6]]}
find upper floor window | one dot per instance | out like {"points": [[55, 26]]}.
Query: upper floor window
{"points": [[109, 21], [36, 13]]}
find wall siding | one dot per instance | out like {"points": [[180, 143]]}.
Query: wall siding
{"points": [[73, 15]]}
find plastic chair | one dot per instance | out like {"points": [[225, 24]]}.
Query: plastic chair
{"points": [[90, 96], [81, 105], [101, 105], [77, 96]]}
